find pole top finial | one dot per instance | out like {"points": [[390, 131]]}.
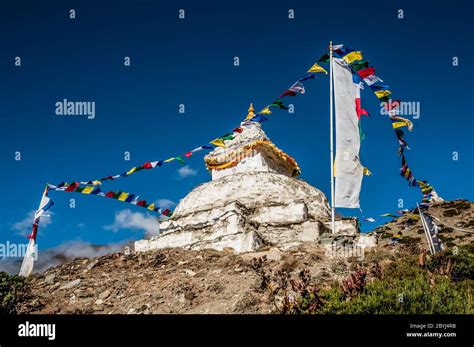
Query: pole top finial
{"points": [[251, 112]]}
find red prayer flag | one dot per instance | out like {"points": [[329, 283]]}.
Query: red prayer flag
{"points": [[110, 194], [147, 165], [141, 203], [366, 72], [72, 187], [34, 231], [237, 130], [287, 92], [188, 154], [360, 111]]}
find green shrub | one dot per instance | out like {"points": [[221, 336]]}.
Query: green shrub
{"points": [[406, 289], [463, 260], [402, 296], [11, 288]]}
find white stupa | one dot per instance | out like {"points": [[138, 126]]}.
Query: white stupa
{"points": [[254, 199]]}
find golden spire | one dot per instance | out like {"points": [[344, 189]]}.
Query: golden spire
{"points": [[251, 113]]}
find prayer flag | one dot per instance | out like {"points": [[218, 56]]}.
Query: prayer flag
{"points": [[364, 73], [371, 80], [218, 142], [278, 104], [324, 58], [359, 65], [316, 68], [123, 196], [307, 77], [180, 159], [383, 93], [352, 56], [265, 111], [238, 130], [349, 170], [260, 118], [88, 190], [287, 92]]}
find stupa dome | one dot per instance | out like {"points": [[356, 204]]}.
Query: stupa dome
{"points": [[254, 199]]}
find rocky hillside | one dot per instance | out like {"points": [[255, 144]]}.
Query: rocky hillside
{"points": [[453, 214], [209, 281]]}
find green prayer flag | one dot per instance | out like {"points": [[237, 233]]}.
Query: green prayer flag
{"points": [[359, 65], [179, 159], [278, 104], [227, 137], [324, 58]]}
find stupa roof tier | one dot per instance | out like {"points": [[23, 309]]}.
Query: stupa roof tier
{"points": [[232, 158], [251, 141]]}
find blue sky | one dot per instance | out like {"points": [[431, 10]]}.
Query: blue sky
{"points": [[190, 62]]}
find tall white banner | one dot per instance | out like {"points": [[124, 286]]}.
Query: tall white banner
{"points": [[29, 259], [348, 170]]}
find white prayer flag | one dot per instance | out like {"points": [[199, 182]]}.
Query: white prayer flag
{"points": [[29, 260], [348, 170]]}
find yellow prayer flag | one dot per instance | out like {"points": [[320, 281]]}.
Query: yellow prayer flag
{"points": [[383, 93], [218, 142], [316, 68], [132, 170], [88, 190], [352, 56], [266, 110], [396, 125], [168, 160], [151, 207], [123, 196], [367, 172], [401, 122], [96, 183]]}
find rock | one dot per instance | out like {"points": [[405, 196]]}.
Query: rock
{"points": [[189, 295], [190, 272], [92, 265], [451, 212], [50, 279], [99, 302], [71, 284], [72, 299], [104, 295], [272, 254], [83, 294]]}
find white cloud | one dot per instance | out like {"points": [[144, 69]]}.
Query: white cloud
{"points": [[126, 219], [186, 171], [66, 251], [24, 226], [165, 203]]}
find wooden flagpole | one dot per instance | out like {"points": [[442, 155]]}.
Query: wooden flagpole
{"points": [[331, 126]]}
